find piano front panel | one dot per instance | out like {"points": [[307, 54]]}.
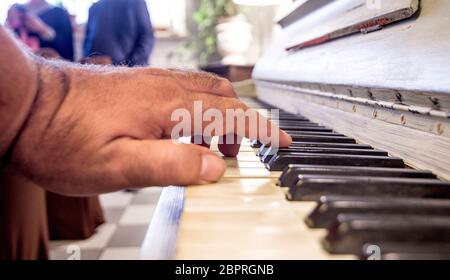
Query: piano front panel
{"points": [[404, 134], [388, 88]]}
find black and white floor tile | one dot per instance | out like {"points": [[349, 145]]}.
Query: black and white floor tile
{"points": [[128, 216]]}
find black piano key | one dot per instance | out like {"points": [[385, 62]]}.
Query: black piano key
{"points": [[312, 187], [312, 133], [263, 148], [290, 173], [279, 162], [300, 145], [330, 145], [309, 128], [323, 139], [329, 207], [255, 144], [352, 231], [300, 126], [270, 152]]}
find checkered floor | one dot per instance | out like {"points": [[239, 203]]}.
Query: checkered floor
{"points": [[128, 215]]}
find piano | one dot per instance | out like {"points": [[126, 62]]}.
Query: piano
{"points": [[363, 88]]}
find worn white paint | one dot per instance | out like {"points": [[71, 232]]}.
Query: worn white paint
{"points": [[410, 55]]}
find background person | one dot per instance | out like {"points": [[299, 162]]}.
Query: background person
{"points": [[120, 29], [43, 26]]}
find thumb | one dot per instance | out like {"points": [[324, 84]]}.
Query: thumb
{"points": [[164, 162]]}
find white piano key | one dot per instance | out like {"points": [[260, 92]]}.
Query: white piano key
{"points": [[237, 172], [245, 218]]}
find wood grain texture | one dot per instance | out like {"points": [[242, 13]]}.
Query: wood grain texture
{"points": [[409, 55]]}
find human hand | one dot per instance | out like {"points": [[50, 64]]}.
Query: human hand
{"points": [[36, 25], [100, 129]]}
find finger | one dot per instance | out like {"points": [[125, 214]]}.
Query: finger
{"points": [[246, 122], [212, 84], [230, 149], [204, 82], [164, 162], [192, 81]]}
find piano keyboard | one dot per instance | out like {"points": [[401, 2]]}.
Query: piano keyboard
{"points": [[325, 197]]}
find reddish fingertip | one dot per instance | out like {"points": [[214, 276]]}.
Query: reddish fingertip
{"points": [[285, 139], [229, 150]]}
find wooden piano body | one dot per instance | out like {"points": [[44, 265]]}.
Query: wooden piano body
{"points": [[389, 88]]}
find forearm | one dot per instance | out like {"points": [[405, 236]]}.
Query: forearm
{"points": [[18, 88]]}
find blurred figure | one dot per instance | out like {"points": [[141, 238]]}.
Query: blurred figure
{"points": [[120, 29], [42, 27], [48, 31]]}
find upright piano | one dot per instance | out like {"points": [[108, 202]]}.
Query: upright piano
{"points": [[363, 87]]}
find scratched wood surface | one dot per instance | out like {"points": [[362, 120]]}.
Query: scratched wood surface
{"points": [[355, 16], [406, 56]]}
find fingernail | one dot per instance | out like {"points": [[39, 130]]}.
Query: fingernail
{"points": [[286, 139], [213, 168]]}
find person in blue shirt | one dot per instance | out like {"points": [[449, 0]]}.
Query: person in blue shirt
{"points": [[120, 29]]}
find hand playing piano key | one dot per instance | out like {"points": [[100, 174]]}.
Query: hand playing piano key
{"points": [[103, 129], [206, 83]]}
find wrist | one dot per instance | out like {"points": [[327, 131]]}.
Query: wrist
{"points": [[53, 87], [18, 106]]}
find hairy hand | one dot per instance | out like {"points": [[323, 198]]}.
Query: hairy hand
{"points": [[100, 129]]}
